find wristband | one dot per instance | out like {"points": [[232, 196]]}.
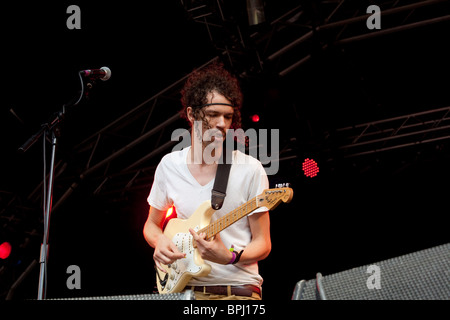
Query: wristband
{"points": [[233, 258]]}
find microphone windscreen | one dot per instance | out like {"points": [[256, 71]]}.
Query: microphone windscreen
{"points": [[107, 73]]}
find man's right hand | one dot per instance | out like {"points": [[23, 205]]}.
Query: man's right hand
{"points": [[166, 252]]}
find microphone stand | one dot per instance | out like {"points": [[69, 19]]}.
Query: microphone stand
{"points": [[47, 129]]}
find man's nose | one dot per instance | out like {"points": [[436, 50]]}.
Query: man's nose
{"points": [[221, 122]]}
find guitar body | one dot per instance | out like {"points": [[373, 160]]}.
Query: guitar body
{"points": [[180, 272]]}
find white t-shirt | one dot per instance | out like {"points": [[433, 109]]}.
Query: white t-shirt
{"points": [[174, 185]]}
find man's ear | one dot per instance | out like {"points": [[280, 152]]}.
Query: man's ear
{"points": [[190, 114]]}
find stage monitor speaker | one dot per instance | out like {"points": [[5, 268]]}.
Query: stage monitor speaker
{"points": [[186, 295], [422, 275]]}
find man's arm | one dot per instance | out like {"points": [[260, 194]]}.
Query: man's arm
{"points": [[153, 226], [166, 252], [261, 244]]}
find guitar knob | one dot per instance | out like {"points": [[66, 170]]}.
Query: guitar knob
{"points": [[174, 266]]}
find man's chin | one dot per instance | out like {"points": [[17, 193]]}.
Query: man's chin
{"points": [[217, 139]]}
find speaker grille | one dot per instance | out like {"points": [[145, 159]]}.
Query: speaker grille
{"points": [[187, 295], [423, 275]]}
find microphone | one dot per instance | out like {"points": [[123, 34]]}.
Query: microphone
{"points": [[104, 73]]}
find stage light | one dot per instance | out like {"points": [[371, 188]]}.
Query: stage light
{"points": [[310, 168], [255, 118], [169, 212], [255, 12], [5, 250]]}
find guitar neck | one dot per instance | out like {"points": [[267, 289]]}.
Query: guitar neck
{"points": [[227, 220]]}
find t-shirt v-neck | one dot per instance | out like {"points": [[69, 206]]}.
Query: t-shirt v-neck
{"points": [[189, 173]]}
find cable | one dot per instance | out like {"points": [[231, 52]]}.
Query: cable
{"points": [[82, 89], [44, 206]]}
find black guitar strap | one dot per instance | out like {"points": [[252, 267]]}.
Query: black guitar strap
{"points": [[220, 184]]}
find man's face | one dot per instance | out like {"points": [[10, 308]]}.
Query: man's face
{"points": [[218, 119]]}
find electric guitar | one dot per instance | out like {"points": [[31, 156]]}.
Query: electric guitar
{"points": [[179, 273]]}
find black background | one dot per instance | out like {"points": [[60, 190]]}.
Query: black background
{"points": [[346, 217]]}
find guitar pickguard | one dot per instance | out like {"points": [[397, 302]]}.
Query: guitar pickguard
{"points": [[187, 265], [184, 242]]}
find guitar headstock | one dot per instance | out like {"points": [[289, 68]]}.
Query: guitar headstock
{"points": [[271, 198]]}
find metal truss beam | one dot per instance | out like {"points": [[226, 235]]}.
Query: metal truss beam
{"points": [[394, 133], [307, 25], [352, 29]]}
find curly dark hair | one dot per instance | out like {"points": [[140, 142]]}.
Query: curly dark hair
{"points": [[211, 78]]}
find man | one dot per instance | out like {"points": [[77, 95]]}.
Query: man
{"points": [[212, 99]]}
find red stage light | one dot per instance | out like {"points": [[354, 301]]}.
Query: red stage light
{"points": [[169, 212], [5, 250], [310, 168], [255, 118]]}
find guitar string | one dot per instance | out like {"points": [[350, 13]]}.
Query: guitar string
{"points": [[223, 222]]}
